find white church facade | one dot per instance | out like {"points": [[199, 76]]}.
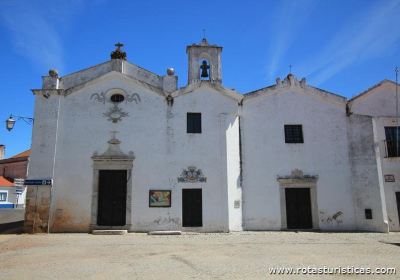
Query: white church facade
{"points": [[127, 149]]}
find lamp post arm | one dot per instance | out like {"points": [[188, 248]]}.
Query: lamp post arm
{"points": [[28, 120]]}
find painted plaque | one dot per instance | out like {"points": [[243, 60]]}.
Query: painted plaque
{"points": [[389, 178], [159, 198]]}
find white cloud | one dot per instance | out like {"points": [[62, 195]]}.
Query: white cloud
{"points": [[36, 28], [370, 34], [287, 23]]}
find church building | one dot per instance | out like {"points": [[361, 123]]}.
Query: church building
{"points": [[125, 148]]}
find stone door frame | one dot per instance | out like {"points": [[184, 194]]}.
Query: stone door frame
{"points": [[112, 159], [298, 180], [111, 165]]}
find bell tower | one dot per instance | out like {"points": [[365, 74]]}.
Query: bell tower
{"points": [[204, 62]]}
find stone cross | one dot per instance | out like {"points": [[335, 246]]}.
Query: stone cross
{"points": [[119, 45]]}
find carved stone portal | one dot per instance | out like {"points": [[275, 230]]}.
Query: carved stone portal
{"points": [[192, 175]]}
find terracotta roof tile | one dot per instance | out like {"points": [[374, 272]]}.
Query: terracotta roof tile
{"points": [[5, 183], [23, 154]]}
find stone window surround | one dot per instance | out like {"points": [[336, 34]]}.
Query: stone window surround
{"points": [[298, 180]]}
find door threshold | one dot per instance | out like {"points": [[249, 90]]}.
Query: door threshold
{"points": [[109, 231]]}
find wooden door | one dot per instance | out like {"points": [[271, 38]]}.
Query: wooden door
{"points": [[192, 209], [298, 208], [112, 198]]}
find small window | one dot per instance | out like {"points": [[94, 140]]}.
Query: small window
{"points": [[392, 134], [3, 196], [193, 122], [294, 133], [117, 98], [368, 214]]}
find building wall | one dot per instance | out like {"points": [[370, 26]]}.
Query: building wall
{"points": [[14, 169], [13, 198], [380, 101], [156, 134], [387, 166], [241, 151], [365, 181], [266, 156]]}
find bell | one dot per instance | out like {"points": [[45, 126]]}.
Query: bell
{"points": [[204, 69]]}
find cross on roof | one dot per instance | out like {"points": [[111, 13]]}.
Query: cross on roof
{"points": [[119, 45]]}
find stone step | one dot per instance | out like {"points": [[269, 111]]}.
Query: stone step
{"points": [[109, 231], [165, 232]]}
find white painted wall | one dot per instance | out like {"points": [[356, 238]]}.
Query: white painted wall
{"points": [[266, 156], [380, 104], [70, 127], [387, 166], [12, 197], [367, 190], [156, 133], [379, 101]]}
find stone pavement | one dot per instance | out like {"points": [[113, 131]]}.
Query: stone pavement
{"points": [[245, 255]]}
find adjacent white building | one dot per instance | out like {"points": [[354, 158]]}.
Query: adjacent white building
{"points": [[127, 149]]}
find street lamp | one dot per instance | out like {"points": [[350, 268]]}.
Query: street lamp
{"points": [[10, 122]]}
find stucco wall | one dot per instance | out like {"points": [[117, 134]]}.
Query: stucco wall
{"points": [[380, 101], [266, 155], [387, 166], [156, 134], [365, 177]]}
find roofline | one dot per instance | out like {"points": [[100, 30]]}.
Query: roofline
{"points": [[371, 88], [10, 160], [82, 70], [233, 94], [258, 91], [77, 87]]}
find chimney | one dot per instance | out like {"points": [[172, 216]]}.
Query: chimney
{"points": [[2, 151]]}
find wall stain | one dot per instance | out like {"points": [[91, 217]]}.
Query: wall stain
{"points": [[335, 218]]}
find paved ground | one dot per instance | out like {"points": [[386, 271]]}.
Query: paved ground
{"points": [[245, 255]]}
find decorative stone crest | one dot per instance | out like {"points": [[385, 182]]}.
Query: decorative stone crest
{"points": [[115, 114], [118, 53], [99, 97], [132, 97], [297, 177], [290, 81], [192, 175]]}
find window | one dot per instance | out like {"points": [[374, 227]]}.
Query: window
{"points": [[392, 141], [193, 122], [117, 98], [368, 214], [293, 133], [3, 196]]}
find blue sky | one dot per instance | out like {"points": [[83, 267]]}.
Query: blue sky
{"points": [[342, 46]]}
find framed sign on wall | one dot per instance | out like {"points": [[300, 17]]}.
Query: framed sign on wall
{"points": [[159, 198]]}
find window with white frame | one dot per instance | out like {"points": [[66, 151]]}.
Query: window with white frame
{"points": [[3, 196]]}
